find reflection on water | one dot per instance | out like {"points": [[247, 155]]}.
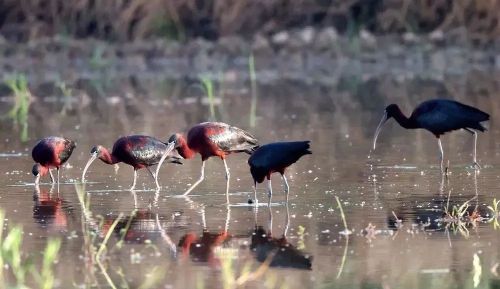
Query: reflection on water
{"points": [[280, 252], [400, 210], [50, 210]]}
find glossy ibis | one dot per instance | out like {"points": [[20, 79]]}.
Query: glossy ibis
{"points": [[275, 157], [51, 152], [213, 139], [139, 151], [438, 116]]}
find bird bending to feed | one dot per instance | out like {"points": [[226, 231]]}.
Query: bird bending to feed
{"points": [[438, 116], [51, 152], [139, 151], [275, 157], [213, 139]]}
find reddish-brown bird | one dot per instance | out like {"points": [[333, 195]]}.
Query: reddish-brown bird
{"points": [[139, 151], [51, 152], [213, 139]]}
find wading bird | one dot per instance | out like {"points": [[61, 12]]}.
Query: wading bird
{"points": [[139, 151], [275, 157], [213, 139], [438, 116], [51, 152]]}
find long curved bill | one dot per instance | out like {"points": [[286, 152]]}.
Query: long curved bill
{"points": [[379, 128], [170, 147], [93, 157]]}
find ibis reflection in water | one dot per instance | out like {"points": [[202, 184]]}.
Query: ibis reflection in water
{"points": [[438, 116], [201, 248], [138, 151], [51, 152], [49, 210], [278, 249]]}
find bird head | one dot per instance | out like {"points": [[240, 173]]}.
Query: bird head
{"points": [[389, 112], [174, 157], [175, 138], [38, 170], [95, 152], [257, 174]]}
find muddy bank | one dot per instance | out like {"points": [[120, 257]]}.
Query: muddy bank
{"points": [[308, 54]]}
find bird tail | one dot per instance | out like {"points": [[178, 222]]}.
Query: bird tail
{"points": [[299, 148], [305, 147]]}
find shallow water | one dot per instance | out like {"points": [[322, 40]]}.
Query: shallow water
{"points": [[400, 180]]}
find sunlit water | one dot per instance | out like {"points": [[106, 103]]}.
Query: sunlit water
{"points": [[392, 198]]}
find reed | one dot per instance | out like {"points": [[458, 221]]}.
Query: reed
{"points": [[19, 113], [253, 89]]}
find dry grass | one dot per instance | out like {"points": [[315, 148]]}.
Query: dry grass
{"points": [[122, 20]]}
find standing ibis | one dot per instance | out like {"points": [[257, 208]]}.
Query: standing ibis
{"points": [[275, 157], [139, 151], [51, 152], [438, 116], [213, 139]]}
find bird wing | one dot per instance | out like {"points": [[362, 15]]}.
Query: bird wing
{"points": [[278, 155], [446, 115], [68, 147], [142, 150], [230, 138], [42, 152]]}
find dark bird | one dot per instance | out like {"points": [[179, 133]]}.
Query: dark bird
{"points": [[438, 116], [139, 151], [51, 152], [213, 139], [275, 158]]}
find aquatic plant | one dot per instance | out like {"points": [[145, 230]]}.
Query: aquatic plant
{"points": [[495, 213], [253, 89], [67, 93], [346, 233], [97, 246], [22, 101], [208, 88], [97, 60], [230, 278], [22, 265], [476, 270], [47, 278]]}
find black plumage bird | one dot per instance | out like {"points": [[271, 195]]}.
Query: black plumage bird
{"points": [[275, 157], [438, 116]]}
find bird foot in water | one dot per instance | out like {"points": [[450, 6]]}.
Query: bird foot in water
{"points": [[445, 172], [476, 166]]}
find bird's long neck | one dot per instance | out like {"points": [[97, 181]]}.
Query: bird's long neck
{"points": [[184, 150], [403, 120], [108, 158], [43, 170]]}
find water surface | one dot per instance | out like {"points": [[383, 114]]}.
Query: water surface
{"points": [[392, 198]]}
